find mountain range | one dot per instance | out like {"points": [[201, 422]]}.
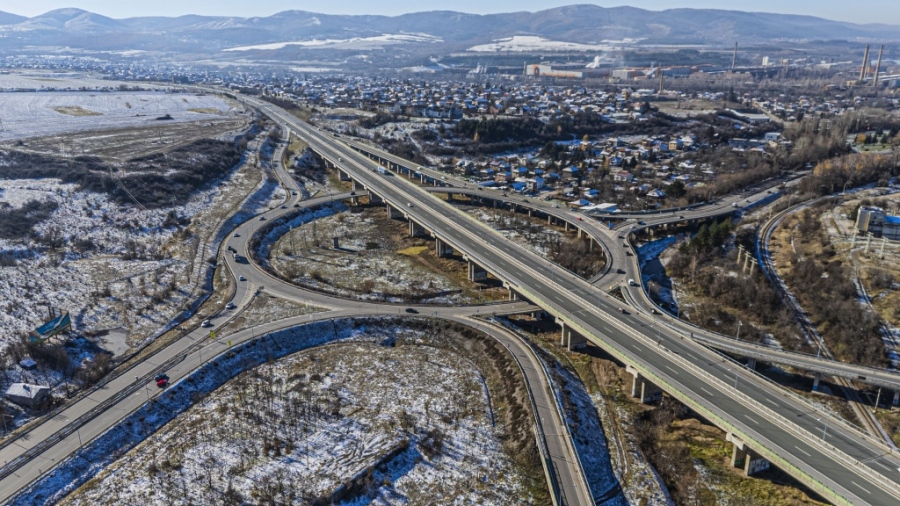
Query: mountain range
{"points": [[585, 24]]}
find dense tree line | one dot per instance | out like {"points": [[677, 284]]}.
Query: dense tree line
{"points": [[156, 180], [851, 171], [825, 289]]}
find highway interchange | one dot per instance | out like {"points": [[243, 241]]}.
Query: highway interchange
{"points": [[57, 438], [843, 465]]}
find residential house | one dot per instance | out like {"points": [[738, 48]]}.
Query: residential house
{"points": [[24, 394]]}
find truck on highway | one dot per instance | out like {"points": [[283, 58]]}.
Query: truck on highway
{"points": [[381, 170]]}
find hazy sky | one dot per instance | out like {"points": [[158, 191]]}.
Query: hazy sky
{"points": [[872, 11]]}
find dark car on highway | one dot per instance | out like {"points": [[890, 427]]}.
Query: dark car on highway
{"points": [[411, 310]]}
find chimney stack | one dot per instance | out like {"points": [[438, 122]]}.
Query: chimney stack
{"points": [[877, 66], [734, 57], [865, 65]]}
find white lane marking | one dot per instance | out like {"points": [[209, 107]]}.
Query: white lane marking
{"points": [[707, 391], [770, 401], [801, 451], [882, 465], [860, 486], [751, 419], [635, 347], [673, 370]]}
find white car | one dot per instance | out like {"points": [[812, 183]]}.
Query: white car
{"points": [[242, 278], [206, 323], [230, 305]]}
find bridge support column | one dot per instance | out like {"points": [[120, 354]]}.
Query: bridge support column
{"points": [[357, 186], [441, 249], [414, 229], [393, 213], [744, 457], [642, 389], [897, 398], [343, 176], [513, 295], [529, 213], [816, 379], [566, 223], [550, 219], [580, 233], [375, 199], [476, 273], [569, 339], [751, 363]]}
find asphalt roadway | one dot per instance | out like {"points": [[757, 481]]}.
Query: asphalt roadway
{"points": [[841, 463], [129, 391]]}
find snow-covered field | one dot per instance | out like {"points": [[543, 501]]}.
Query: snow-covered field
{"points": [[381, 417], [525, 43], [68, 81], [75, 281], [37, 114]]}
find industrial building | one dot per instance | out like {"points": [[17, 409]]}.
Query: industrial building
{"points": [[873, 220]]}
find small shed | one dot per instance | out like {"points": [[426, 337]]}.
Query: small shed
{"points": [[27, 395]]}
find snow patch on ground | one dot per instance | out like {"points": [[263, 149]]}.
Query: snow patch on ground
{"points": [[336, 424], [525, 43], [353, 43], [38, 114]]}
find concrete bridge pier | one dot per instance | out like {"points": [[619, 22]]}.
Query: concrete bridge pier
{"points": [[476, 273], [441, 249], [896, 398], [570, 339], [375, 199], [393, 213], [357, 186], [643, 389], [751, 363], [743, 457], [816, 379], [415, 229], [343, 176], [549, 219], [580, 233]]}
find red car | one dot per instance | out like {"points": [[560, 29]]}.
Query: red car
{"points": [[162, 381]]}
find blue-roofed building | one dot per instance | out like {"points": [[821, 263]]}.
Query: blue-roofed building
{"points": [[873, 220]]}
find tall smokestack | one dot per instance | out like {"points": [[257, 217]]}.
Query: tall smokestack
{"points": [[734, 57], [877, 66], [662, 79], [862, 71]]}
